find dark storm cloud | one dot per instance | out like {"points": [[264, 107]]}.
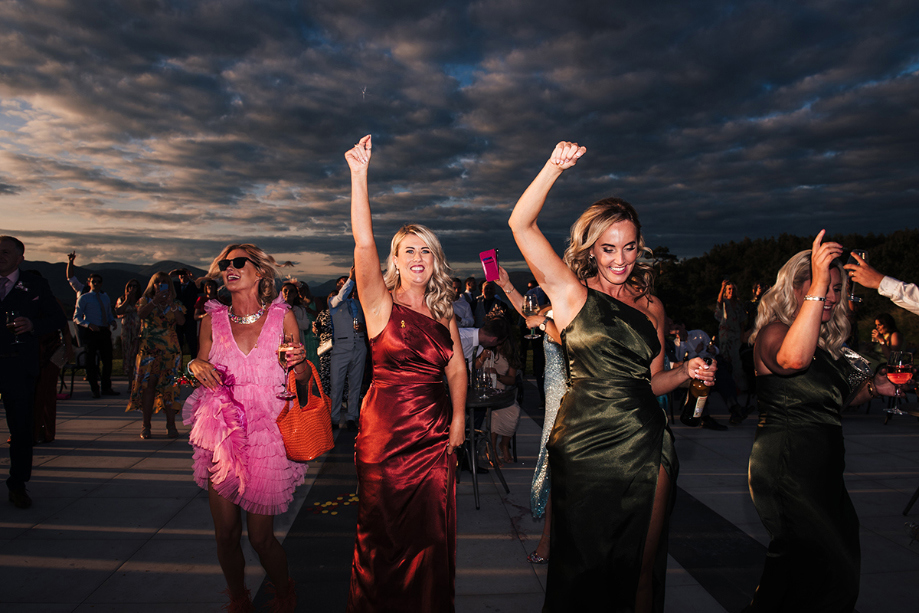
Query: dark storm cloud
{"points": [[201, 121]]}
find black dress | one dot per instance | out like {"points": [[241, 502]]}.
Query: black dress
{"points": [[605, 452], [796, 479]]}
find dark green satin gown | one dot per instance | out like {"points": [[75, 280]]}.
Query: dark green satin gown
{"points": [[796, 479], [610, 440]]}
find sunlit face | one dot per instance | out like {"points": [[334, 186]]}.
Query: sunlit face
{"points": [[95, 284], [470, 286], [457, 288], [616, 251], [832, 295], [414, 260], [240, 279]]}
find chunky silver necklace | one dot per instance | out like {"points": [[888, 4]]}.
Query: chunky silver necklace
{"points": [[247, 319]]}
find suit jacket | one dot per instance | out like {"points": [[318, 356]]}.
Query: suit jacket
{"points": [[31, 297], [187, 296]]}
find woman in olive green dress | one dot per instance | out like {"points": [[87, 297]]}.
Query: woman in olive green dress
{"points": [[798, 457], [613, 463]]}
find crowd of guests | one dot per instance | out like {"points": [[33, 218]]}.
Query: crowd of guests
{"points": [[606, 358]]}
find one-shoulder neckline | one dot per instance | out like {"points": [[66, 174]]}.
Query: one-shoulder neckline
{"points": [[616, 300], [405, 308]]}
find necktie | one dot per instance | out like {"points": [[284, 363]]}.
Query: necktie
{"points": [[4, 283], [104, 315]]}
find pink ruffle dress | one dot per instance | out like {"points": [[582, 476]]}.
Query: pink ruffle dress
{"points": [[238, 446]]}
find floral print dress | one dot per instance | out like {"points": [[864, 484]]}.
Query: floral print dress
{"points": [[159, 356]]}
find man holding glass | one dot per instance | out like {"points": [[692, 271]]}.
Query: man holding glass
{"points": [[29, 311], [905, 295]]}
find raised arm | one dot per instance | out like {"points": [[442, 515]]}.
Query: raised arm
{"points": [[375, 298], [784, 350], [565, 292]]}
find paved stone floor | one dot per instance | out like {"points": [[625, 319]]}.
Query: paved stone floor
{"points": [[118, 525]]}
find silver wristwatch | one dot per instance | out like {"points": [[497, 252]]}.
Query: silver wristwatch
{"points": [[542, 326]]}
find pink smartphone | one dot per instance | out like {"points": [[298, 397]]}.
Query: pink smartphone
{"points": [[490, 264]]}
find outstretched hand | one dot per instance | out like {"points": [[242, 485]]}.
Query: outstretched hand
{"points": [[567, 154], [358, 156], [822, 255], [863, 274]]}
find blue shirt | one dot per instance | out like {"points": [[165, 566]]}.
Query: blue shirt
{"points": [[90, 312]]}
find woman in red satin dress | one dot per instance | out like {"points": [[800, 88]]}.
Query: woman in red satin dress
{"points": [[405, 550]]}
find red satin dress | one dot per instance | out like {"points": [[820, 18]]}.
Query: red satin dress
{"points": [[405, 551]]}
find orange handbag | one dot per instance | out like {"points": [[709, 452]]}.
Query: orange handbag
{"points": [[306, 425]]}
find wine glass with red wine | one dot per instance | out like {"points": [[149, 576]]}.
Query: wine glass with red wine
{"points": [[899, 372]]}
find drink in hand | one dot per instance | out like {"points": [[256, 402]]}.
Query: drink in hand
{"points": [[900, 374], [696, 398], [531, 307]]}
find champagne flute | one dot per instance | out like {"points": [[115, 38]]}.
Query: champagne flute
{"points": [[899, 372], [531, 307], [285, 344], [864, 256], [11, 317]]}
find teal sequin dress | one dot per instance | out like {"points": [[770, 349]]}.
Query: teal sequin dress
{"points": [[555, 389]]}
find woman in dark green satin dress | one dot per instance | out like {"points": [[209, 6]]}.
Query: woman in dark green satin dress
{"points": [[613, 463], [798, 456]]}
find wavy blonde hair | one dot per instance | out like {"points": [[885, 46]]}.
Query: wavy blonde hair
{"points": [[588, 229], [265, 266], [438, 295], [781, 304], [156, 279]]}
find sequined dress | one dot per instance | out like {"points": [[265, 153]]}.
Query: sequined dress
{"points": [[237, 443], [555, 390]]}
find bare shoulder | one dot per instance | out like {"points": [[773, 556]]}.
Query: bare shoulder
{"points": [[771, 332]]}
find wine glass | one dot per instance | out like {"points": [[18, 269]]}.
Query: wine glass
{"points": [[864, 256], [286, 343], [11, 326], [531, 307], [899, 372]]}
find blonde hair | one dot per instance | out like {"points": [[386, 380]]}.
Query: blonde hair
{"points": [[265, 267], [781, 304], [156, 279], [588, 229], [438, 295]]}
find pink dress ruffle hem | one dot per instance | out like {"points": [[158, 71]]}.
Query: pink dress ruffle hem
{"points": [[237, 444]]}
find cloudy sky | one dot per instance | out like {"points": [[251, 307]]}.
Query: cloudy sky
{"points": [[157, 129]]}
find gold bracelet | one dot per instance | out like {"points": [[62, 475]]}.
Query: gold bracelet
{"points": [[871, 391]]}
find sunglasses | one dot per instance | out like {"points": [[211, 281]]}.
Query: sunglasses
{"points": [[238, 263]]}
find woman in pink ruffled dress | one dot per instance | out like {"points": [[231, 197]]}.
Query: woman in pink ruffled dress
{"points": [[239, 453]]}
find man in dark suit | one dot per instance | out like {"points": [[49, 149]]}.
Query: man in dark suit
{"points": [[187, 293], [29, 311]]}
